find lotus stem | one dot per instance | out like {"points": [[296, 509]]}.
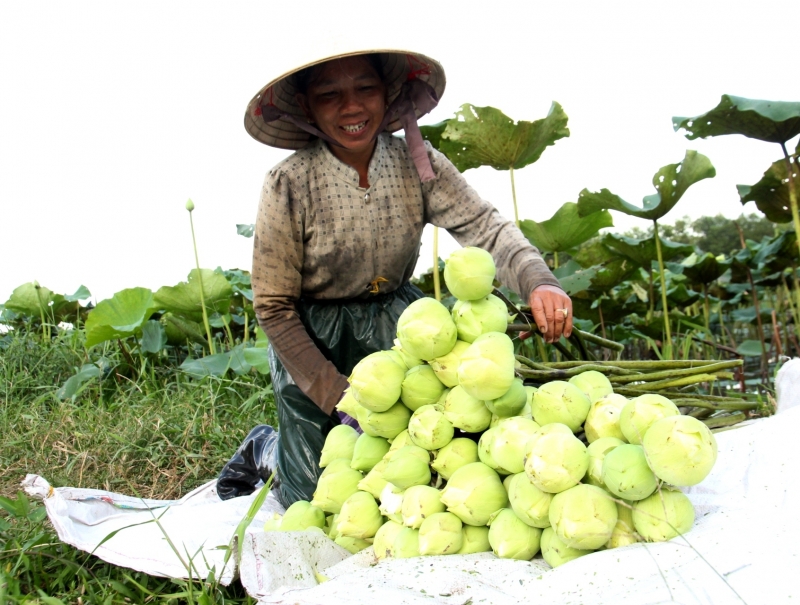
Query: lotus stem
{"points": [[684, 381], [514, 196], [707, 369], [664, 307], [190, 208], [652, 365], [437, 289], [677, 395], [728, 420], [710, 405]]}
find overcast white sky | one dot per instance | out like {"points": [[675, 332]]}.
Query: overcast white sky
{"points": [[113, 113]]}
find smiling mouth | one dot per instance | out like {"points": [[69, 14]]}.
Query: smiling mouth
{"points": [[354, 128]]}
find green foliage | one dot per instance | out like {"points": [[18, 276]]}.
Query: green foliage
{"points": [[566, 229], [120, 316], [771, 194]]}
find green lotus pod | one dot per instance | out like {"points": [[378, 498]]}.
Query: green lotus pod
{"points": [[376, 381], [446, 366], [603, 418], [530, 504], [508, 446], [403, 438], [555, 459], [583, 516], [426, 330], [641, 412], [359, 516], [273, 523], [388, 424], [476, 317], [555, 551], [511, 403], [383, 543], [420, 387], [681, 450], [486, 370], [454, 455], [348, 404], [662, 516], [352, 545], [597, 451], [476, 539], [626, 474], [368, 451], [406, 543], [441, 534], [469, 273], [560, 402], [373, 482], [420, 502], [339, 443], [473, 493], [429, 428], [485, 447], [333, 488], [466, 412], [409, 360], [301, 515], [406, 467], [391, 502], [593, 384], [624, 532], [511, 538], [330, 523]]}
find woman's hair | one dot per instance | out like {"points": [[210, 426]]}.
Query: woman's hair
{"points": [[304, 78]]}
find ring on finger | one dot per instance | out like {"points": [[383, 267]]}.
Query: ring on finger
{"points": [[564, 311]]}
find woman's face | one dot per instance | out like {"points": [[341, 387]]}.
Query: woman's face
{"points": [[346, 100]]}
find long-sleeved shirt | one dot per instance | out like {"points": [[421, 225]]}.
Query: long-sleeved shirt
{"points": [[321, 236]]}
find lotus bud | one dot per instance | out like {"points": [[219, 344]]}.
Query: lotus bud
{"points": [[339, 443], [301, 515], [486, 370], [555, 551], [555, 459], [426, 330], [408, 466], [446, 366], [348, 404], [527, 411], [441, 534], [330, 523], [561, 402], [395, 355], [376, 380], [429, 428], [408, 360], [383, 543], [368, 451], [352, 545], [273, 523], [624, 533], [593, 384], [459, 452], [406, 543], [420, 502], [334, 488], [530, 504], [373, 482], [597, 451], [469, 273], [511, 437], [511, 403], [403, 438], [420, 387], [466, 412], [507, 481], [511, 538], [388, 424], [681, 450], [476, 539], [650, 520], [641, 412], [583, 516], [359, 516], [626, 474], [485, 447], [473, 493], [603, 418], [335, 466], [391, 502], [361, 417], [476, 317]]}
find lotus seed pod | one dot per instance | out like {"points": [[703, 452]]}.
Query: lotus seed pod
{"points": [[408, 360], [348, 404], [603, 418], [388, 424], [511, 538], [420, 387], [406, 543], [624, 532], [476, 317], [426, 330], [681, 450], [555, 552], [429, 428], [650, 520], [476, 539], [597, 451], [373, 482], [641, 412], [469, 273], [375, 381], [352, 545], [511, 403], [383, 542], [486, 370], [446, 366], [593, 384], [484, 451], [560, 402], [530, 504], [391, 502], [339, 443], [441, 534], [459, 452], [402, 439], [368, 452], [406, 467], [301, 515], [420, 502], [511, 438], [334, 488], [466, 412], [583, 516], [555, 459], [273, 523], [626, 474], [473, 493], [359, 516]]}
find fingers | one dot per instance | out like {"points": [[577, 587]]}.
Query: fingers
{"points": [[552, 312]]}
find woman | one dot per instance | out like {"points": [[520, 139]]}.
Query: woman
{"points": [[337, 239]]}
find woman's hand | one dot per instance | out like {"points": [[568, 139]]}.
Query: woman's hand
{"points": [[552, 312]]}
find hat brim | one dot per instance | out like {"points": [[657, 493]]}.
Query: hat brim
{"points": [[283, 134]]}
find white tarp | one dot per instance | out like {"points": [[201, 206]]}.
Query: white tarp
{"points": [[742, 549]]}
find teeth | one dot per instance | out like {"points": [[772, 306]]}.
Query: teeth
{"points": [[354, 127]]}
